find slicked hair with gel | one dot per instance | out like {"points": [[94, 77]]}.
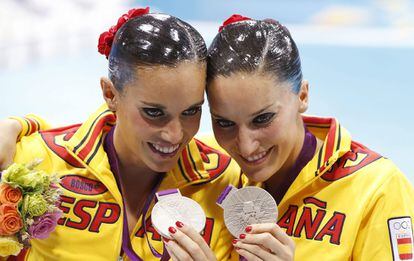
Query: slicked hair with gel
{"points": [[255, 46], [153, 40]]}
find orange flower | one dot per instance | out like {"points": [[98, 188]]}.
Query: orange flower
{"points": [[7, 208], [8, 194], [10, 220]]}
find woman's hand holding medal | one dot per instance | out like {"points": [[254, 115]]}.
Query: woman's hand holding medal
{"points": [[187, 244], [265, 242]]}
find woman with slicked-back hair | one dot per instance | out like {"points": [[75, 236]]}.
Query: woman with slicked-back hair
{"points": [[139, 142], [337, 199]]}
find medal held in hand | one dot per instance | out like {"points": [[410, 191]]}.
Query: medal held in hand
{"points": [[246, 206], [172, 207]]}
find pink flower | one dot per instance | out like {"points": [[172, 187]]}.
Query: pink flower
{"points": [[44, 225]]}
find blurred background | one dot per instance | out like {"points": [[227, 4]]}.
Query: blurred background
{"points": [[357, 56]]}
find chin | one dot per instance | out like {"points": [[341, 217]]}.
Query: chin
{"points": [[257, 175], [163, 167]]}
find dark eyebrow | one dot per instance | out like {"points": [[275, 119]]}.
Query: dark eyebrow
{"points": [[216, 115], [200, 103], [253, 114], [154, 105], [160, 106], [261, 110]]}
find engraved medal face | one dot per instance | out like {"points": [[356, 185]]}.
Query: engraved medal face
{"points": [[247, 206], [170, 210]]}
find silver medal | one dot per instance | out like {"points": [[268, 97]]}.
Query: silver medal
{"points": [[247, 206], [172, 208]]}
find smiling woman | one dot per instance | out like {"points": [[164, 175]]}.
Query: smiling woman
{"points": [[151, 126], [139, 142], [338, 199]]}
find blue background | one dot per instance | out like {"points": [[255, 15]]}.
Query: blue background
{"points": [[359, 70]]}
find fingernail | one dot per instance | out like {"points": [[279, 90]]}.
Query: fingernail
{"points": [[179, 224], [172, 230], [234, 241], [242, 236], [237, 248], [165, 239], [248, 229]]}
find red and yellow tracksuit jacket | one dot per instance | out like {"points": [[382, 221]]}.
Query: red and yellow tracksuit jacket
{"points": [[91, 227], [348, 202]]}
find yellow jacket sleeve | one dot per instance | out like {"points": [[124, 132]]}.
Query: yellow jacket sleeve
{"points": [[386, 232], [30, 124], [32, 148]]}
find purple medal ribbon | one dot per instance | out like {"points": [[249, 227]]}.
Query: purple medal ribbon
{"points": [[305, 155], [167, 192], [126, 241], [223, 195], [164, 255]]}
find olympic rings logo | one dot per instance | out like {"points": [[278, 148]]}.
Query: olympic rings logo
{"points": [[399, 225]]}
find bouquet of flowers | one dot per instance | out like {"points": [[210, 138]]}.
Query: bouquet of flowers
{"points": [[28, 206]]}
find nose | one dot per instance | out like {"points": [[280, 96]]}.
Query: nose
{"points": [[172, 132], [246, 141]]}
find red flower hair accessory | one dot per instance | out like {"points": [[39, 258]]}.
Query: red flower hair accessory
{"points": [[232, 19], [106, 38]]}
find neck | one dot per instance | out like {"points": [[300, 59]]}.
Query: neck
{"points": [[276, 182], [280, 182], [133, 171]]}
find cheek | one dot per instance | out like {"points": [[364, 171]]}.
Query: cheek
{"points": [[274, 134], [127, 114], [191, 125], [281, 133], [140, 127], [224, 137]]}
